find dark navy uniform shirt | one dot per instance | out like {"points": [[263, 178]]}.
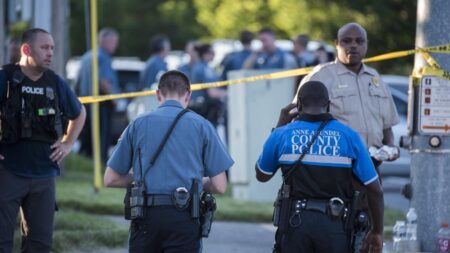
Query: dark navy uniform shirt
{"points": [[193, 151], [234, 61], [31, 158], [273, 60], [326, 170]]}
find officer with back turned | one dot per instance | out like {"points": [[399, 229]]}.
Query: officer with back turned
{"points": [[166, 166], [318, 157]]}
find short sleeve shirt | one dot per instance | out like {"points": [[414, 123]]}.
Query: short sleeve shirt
{"points": [[193, 151], [31, 158], [336, 153], [105, 72], [361, 101]]}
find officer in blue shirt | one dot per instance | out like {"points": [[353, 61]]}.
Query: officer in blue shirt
{"points": [[235, 60], [108, 84], [193, 151], [155, 65], [193, 58], [34, 103], [321, 183], [270, 56]]}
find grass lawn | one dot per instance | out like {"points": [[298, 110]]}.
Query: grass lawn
{"points": [[79, 225]]}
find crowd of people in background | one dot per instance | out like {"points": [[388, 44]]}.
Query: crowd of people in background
{"points": [[210, 103]]}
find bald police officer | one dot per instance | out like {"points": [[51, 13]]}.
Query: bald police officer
{"points": [[318, 157], [192, 151]]}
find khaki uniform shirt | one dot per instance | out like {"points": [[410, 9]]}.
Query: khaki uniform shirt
{"points": [[361, 101]]}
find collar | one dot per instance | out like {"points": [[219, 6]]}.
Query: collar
{"points": [[342, 69], [314, 117], [171, 103]]}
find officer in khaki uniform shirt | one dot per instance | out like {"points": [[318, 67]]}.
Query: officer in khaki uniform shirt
{"points": [[358, 97]]}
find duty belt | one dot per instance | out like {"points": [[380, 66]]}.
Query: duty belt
{"points": [[159, 200], [334, 207]]}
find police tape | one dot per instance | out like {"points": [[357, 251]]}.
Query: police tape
{"points": [[282, 74], [430, 71], [201, 86]]}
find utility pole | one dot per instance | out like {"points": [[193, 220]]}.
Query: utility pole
{"points": [[429, 118], [2, 32], [60, 34]]}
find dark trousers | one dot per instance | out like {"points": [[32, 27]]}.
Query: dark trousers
{"points": [[165, 230], [36, 197], [105, 111], [317, 233]]}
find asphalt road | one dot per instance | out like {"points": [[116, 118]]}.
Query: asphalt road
{"points": [[242, 237]]}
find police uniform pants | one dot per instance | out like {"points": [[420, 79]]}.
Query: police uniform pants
{"points": [[165, 230], [317, 233], [36, 200]]}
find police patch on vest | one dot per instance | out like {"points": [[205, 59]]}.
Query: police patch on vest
{"points": [[33, 90]]}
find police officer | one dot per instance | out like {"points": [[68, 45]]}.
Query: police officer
{"points": [[359, 98], [209, 103], [108, 40], [193, 58], [270, 56], [192, 151], [235, 60], [155, 65], [321, 189], [35, 106]]}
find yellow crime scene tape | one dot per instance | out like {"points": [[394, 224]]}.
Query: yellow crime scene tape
{"points": [[433, 70]]}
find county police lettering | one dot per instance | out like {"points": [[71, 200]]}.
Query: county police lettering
{"points": [[326, 144], [328, 166]]}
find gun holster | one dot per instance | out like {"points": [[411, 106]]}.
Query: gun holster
{"points": [[207, 208]]}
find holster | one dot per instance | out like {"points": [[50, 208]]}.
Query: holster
{"points": [[282, 209], [207, 208]]}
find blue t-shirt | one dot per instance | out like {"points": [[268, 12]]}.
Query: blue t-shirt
{"points": [[155, 67], [326, 170], [105, 72], [273, 60], [31, 158], [193, 151]]}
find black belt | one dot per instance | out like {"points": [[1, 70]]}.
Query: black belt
{"points": [[313, 205], [159, 200]]}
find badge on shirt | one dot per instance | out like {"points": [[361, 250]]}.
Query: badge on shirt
{"points": [[376, 81]]}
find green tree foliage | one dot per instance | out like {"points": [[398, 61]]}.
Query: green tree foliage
{"points": [[390, 23]]}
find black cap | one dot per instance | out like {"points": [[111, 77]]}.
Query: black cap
{"points": [[313, 93]]}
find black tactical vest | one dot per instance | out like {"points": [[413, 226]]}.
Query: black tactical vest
{"points": [[30, 110]]}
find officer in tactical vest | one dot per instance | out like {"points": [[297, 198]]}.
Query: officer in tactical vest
{"points": [[318, 157], [41, 119]]}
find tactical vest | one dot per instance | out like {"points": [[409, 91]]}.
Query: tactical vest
{"points": [[30, 110]]}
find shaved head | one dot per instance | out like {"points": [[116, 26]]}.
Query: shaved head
{"points": [[351, 46], [351, 26]]}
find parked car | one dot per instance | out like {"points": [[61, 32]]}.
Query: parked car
{"points": [[399, 88]]}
